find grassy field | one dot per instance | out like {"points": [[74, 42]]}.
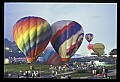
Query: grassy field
{"points": [[24, 67], [38, 66]]}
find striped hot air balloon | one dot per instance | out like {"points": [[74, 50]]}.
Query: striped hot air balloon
{"points": [[32, 35], [66, 38], [51, 57]]}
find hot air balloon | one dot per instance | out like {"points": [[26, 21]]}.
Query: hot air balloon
{"points": [[90, 48], [89, 37], [32, 35], [66, 38], [98, 48], [51, 57]]}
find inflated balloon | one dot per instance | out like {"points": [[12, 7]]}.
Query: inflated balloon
{"points": [[51, 57], [98, 48], [89, 37], [90, 48], [32, 35], [66, 38]]}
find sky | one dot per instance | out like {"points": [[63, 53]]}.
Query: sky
{"points": [[100, 19]]}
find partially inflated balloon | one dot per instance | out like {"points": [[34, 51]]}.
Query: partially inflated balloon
{"points": [[66, 38], [98, 48], [51, 57], [90, 48], [32, 35], [89, 37]]}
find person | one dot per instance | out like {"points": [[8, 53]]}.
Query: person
{"points": [[6, 73], [106, 71], [26, 73], [33, 74], [31, 68], [61, 77], [69, 76]]}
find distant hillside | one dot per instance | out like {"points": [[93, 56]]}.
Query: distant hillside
{"points": [[11, 49]]}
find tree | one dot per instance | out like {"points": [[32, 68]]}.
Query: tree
{"points": [[113, 52]]}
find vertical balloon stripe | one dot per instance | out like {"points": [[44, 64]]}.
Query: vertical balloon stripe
{"points": [[54, 37], [20, 41], [45, 26], [39, 31], [39, 49], [48, 55], [15, 33], [39, 28], [25, 33], [31, 32], [56, 60], [39, 41], [28, 41], [42, 46], [52, 58], [35, 37]]}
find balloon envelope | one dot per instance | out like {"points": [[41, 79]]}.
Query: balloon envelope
{"points": [[98, 48], [66, 38], [51, 57], [89, 37], [32, 35], [90, 48]]}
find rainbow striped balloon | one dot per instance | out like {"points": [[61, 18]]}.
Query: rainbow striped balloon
{"points": [[66, 38], [51, 57], [32, 35]]}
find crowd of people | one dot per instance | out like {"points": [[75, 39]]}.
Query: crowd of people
{"points": [[54, 71]]}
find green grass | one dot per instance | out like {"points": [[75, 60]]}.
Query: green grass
{"points": [[106, 64], [38, 66], [80, 74], [111, 67], [24, 67]]}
